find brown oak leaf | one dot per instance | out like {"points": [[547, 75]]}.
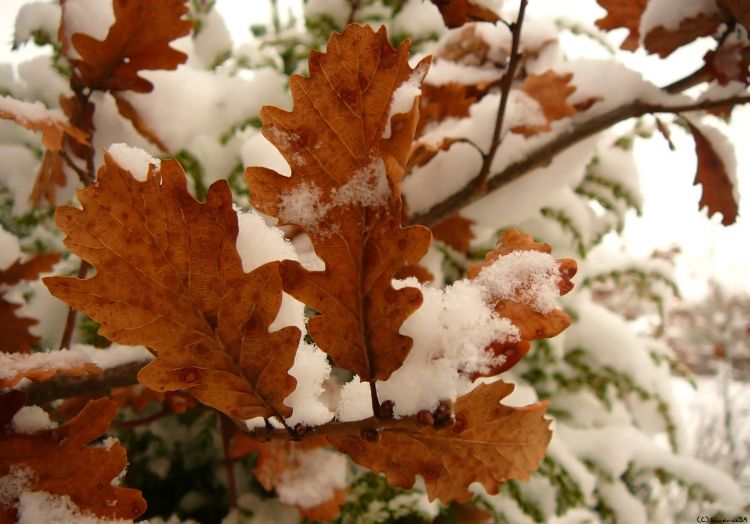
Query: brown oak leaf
{"points": [[738, 9], [448, 100], [455, 231], [35, 117], [347, 163], [729, 62], [61, 462], [663, 41], [138, 40], [623, 13], [532, 324], [456, 13], [551, 91], [168, 277], [489, 443], [711, 175], [14, 335]]}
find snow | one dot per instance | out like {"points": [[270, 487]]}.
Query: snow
{"points": [[91, 17], [403, 97], [213, 40], [530, 277], [44, 16], [314, 477], [306, 207], [40, 506], [133, 159], [669, 13], [30, 419], [338, 10], [418, 19], [14, 364], [113, 356], [258, 243], [31, 111], [445, 72], [10, 248]]}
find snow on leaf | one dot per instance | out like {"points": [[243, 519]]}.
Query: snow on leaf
{"points": [[138, 40], [489, 443], [59, 461], [168, 277], [664, 41], [42, 366], [15, 336], [456, 13], [34, 116], [551, 90], [524, 283], [623, 13], [718, 187], [344, 191], [304, 474]]}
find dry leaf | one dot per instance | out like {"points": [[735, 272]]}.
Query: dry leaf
{"points": [[551, 91], [444, 101], [455, 231], [456, 13], [623, 13], [531, 323], [718, 190], [50, 176], [729, 62], [138, 397], [664, 41], [344, 192], [738, 9], [489, 443], [14, 335], [423, 152], [168, 277], [62, 463], [138, 40], [35, 117]]}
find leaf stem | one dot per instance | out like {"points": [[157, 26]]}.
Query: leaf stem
{"points": [[70, 320]]}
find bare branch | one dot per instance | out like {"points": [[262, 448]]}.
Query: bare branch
{"points": [[546, 153]]}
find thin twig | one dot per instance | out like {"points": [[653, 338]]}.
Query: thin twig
{"points": [[353, 11], [507, 82], [70, 320], [145, 421]]}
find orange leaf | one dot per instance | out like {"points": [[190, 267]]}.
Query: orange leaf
{"points": [[344, 192], [663, 41], [729, 62], [456, 13], [61, 463], [138, 40], [490, 443], [455, 231], [551, 91], [327, 510], [440, 102], [15, 336], [36, 117], [718, 192], [623, 13], [739, 9], [531, 323], [50, 176], [168, 276]]}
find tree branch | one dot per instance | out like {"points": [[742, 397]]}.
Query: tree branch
{"points": [[546, 153], [507, 82]]}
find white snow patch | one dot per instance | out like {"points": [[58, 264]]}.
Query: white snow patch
{"points": [[528, 276], [31, 111], [40, 506], [133, 159], [10, 248], [113, 356], [91, 17], [44, 16], [14, 364], [313, 478], [669, 14], [31, 419], [303, 206], [403, 97], [311, 369]]}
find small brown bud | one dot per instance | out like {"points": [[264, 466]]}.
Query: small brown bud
{"points": [[299, 430], [425, 418], [370, 434], [386, 409], [443, 414]]}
